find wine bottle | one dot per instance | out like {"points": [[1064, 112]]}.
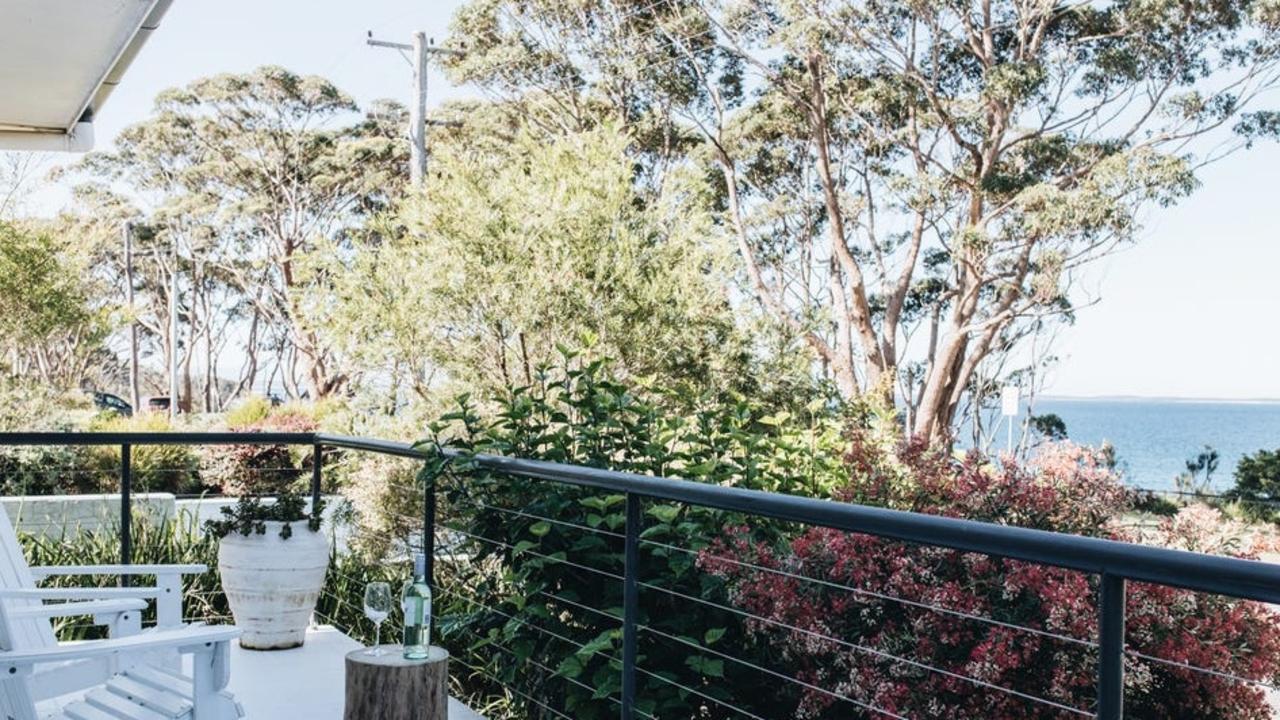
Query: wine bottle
{"points": [[415, 600]]}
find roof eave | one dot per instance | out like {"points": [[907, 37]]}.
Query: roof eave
{"points": [[115, 72], [78, 139]]}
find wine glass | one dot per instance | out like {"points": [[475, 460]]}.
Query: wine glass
{"points": [[377, 606]]}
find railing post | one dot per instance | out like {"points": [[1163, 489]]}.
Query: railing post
{"points": [[126, 509], [630, 605], [1110, 647], [315, 476], [429, 528]]}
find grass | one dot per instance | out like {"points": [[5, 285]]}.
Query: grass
{"points": [[175, 541]]}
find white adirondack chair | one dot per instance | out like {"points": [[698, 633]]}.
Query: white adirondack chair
{"points": [[130, 675]]}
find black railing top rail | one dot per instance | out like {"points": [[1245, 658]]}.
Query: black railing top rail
{"points": [[1176, 568], [11, 439]]}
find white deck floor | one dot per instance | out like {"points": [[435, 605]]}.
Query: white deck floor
{"points": [[305, 682]]}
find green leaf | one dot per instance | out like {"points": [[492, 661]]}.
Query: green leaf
{"points": [[711, 667], [570, 667], [712, 635], [540, 528], [593, 503], [602, 642], [665, 513]]}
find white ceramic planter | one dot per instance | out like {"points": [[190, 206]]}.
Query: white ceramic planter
{"points": [[272, 584]]}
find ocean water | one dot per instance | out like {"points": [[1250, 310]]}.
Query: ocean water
{"points": [[1155, 438]]}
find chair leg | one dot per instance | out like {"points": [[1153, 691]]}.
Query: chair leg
{"points": [[16, 701], [211, 666]]}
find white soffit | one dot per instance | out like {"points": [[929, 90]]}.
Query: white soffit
{"points": [[59, 59]]}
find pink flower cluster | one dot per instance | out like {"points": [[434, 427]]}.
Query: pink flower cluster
{"points": [[930, 633]]}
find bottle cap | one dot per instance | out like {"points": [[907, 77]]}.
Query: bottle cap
{"points": [[420, 565]]}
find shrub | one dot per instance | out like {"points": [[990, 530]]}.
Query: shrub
{"points": [[258, 469], [248, 412], [1258, 484], [1147, 501], [512, 601], [341, 604], [46, 470], [156, 468], [26, 405], [1065, 488], [1049, 426], [53, 470], [386, 503]]}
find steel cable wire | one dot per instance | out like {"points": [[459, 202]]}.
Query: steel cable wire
{"points": [[880, 596], [869, 651], [773, 673]]}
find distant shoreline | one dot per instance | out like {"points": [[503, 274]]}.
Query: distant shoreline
{"points": [[1161, 399]]}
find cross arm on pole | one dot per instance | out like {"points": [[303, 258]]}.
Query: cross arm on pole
{"points": [[389, 44]]}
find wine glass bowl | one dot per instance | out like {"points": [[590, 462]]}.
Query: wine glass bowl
{"points": [[377, 607]]}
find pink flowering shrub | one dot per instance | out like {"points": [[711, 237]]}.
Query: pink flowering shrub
{"points": [[258, 469], [919, 662]]}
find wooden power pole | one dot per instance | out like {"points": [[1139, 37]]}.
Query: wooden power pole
{"points": [[135, 398], [422, 50], [173, 334]]}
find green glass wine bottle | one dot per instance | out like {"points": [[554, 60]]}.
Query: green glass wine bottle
{"points": [[415, 600]]}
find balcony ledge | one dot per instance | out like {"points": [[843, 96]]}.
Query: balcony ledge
{"points": [[305, 682]]}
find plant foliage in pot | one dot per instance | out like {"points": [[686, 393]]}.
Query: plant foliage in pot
{"points": [[273, 559]]}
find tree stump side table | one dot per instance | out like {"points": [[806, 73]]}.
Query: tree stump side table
{"points": [[389, 687]]}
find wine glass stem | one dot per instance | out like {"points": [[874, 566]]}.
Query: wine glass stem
{"points": [[377, 635]]}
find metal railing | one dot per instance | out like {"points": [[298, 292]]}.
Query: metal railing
{"points": [[1114, 563]]}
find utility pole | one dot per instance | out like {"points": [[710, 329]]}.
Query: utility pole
{"points": [[421, 50], [134, 398], [418, 112], [173, 334]]}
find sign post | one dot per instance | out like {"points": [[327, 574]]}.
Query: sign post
{"points": [[1009, 397]]}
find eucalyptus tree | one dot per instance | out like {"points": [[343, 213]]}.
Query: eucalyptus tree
{"points": [[249, 174], [911, 186], [517, 249], [51, 330]]}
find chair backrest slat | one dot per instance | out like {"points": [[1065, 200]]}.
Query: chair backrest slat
{"points": [[22, 634]]}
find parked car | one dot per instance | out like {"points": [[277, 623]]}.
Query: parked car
{"points": [[158, 404], [115, 403]]}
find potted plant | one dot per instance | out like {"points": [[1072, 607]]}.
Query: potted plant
{"points": [[273, 560]]}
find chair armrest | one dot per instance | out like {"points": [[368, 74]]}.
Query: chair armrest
{"points": [[48, 570], [80, 593], [186, 640], [72, 609]]}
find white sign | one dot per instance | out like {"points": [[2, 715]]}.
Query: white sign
{"points": [[1009, 400]]}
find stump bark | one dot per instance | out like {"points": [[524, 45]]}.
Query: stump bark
{"points": [[389, 687]]}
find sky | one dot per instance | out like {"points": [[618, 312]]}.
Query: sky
{"points": [[1190, 311]]}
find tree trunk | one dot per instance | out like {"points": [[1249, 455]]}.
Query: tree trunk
{"points": [[389, 687]]}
